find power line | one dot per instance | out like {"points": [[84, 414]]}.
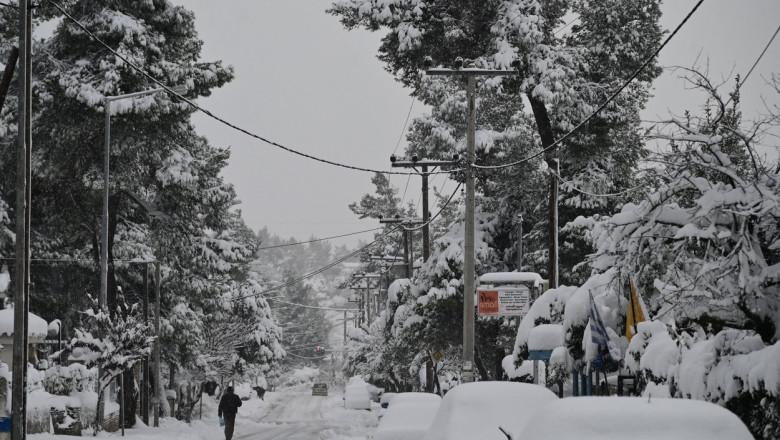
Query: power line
{"points": [[333, 264], [304, 357], [739, 86], [601, 107], [438, 213], [217, 118], [306, 306], [317, 239], [581, 191], [316, 272], [405, 124]]}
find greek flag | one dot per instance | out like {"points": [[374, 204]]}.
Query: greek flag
{"points": [[598, 332]]}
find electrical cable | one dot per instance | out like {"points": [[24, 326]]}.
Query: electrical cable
{"points": [[304, 357], [316, 272], [333, 264], [581, 191], [405, 124], [317, 239], [739, 86], [417, 228], [601, 107], [219, 119], [306, 306]]}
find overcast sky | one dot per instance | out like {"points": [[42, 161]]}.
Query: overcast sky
{"points": [[305, 82]]}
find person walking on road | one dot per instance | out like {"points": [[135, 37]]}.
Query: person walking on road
{"points": [[228, 407]]}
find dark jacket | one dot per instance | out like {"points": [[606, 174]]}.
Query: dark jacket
{"points": [[229, 404]]}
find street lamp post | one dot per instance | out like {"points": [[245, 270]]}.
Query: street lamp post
{"points": [[106, 161]]}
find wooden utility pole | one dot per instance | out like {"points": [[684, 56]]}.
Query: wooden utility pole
{"points": [[22, 292], [406, 224], [415, 162], [553, 263], [145, 362], [157, 369], [471, 73]]}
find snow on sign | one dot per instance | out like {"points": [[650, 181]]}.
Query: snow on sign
{"points": [[504, 301]]}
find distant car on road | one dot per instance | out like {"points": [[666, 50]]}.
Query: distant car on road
{"points": [[635, 418], [408, 416], [356, 394], [476, 411]]}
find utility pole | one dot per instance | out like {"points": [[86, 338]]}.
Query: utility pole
{"points": [[157, 375], [386, 262], [519, 223], [145, 362], [471, 73], [367, 287], [415, 162], [405, 223], [553, 263], [23, 165]]}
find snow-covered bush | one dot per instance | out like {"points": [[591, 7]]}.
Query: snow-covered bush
{"points": [[63, 380], [733, 368]]}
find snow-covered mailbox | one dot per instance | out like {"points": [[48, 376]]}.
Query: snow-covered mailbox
{"points": [[507, 293]]}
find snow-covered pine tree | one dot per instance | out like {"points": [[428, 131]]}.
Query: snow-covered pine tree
{"points": [[565, 73]]}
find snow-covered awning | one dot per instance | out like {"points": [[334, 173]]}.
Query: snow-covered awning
{"points": [[36, 326], [511, 278]]}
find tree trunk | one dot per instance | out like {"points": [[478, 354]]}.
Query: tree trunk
{"points": [[8, 75], [544, 127], [129, 398], [480, 365]]}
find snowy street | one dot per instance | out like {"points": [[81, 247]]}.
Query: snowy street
{"points": [[299, 415], [293, 415]]}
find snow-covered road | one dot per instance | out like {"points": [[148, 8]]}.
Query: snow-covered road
{"points": [[301, 416], [293, 415]]}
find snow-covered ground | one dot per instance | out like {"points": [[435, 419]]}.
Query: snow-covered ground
{"points": [[282, 415]]}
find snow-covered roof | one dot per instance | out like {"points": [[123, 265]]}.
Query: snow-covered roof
{"points": [[511, 277], [37, 326]]}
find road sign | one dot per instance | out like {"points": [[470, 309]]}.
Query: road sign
{"points": [[437, 355], [504, 301]]}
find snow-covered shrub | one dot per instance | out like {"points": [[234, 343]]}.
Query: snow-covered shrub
{"points": [[732, 368], [63, 380], [652, 353], [560, 367]]}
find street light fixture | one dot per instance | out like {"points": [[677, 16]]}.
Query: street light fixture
{"points": [[104, 239]]}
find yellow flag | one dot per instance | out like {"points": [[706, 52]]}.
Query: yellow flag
{"points": [[635, 313]]}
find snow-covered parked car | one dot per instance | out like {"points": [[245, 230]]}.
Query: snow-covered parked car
{"points": [[356, 394], [375, 392], [637, 418], [386, 398], [480, 410], [408, 417]]}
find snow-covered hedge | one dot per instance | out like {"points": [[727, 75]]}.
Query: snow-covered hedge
{"points": [[733, 368]]}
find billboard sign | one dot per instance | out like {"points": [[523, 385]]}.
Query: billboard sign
{"points": [[504, 301]]}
